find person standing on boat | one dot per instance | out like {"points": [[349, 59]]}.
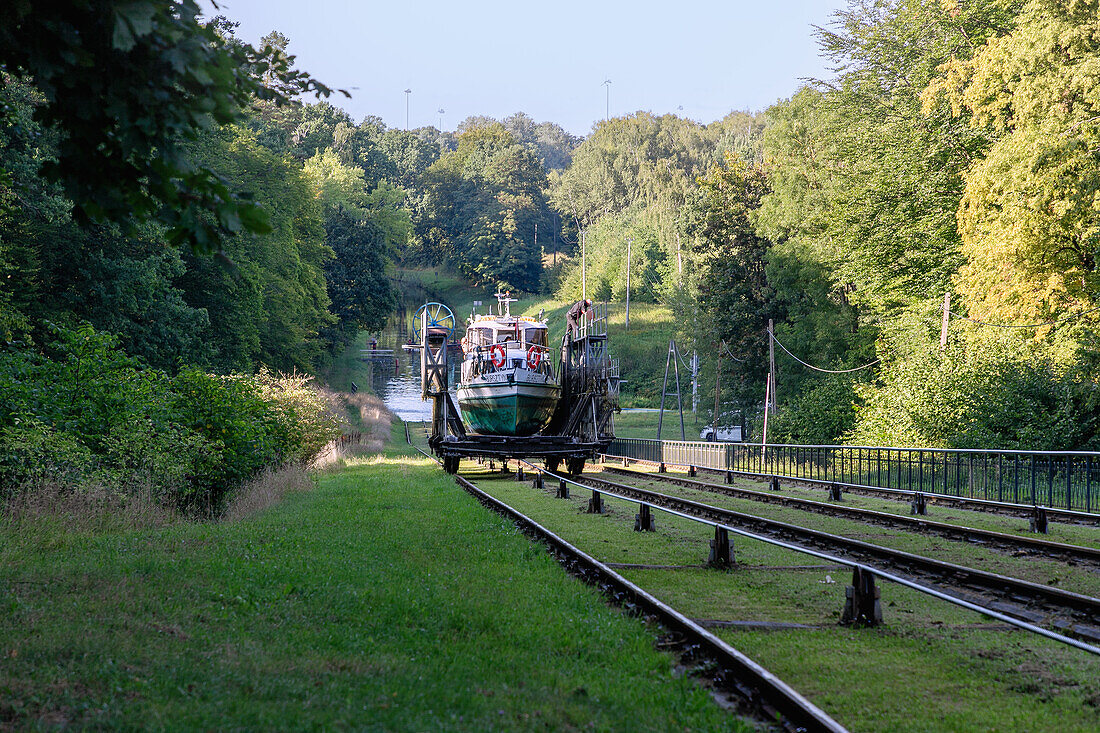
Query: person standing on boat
{"points": [[575, 314]]}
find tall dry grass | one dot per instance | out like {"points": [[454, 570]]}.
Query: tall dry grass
{"points": [[267, 489], [91, 508], [365, 433]]}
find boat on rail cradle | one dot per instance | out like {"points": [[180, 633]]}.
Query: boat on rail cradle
{"points": [[508, 386]]}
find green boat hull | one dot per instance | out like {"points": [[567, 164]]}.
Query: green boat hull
{"points": [[506, 413]]}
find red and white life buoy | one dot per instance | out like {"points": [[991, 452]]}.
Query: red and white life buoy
{"points": [[497, 355], [534, 357]]}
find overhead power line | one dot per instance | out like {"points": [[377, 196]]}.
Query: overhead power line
{"points": [[1066, 319], [730, 353], [819, 369]]}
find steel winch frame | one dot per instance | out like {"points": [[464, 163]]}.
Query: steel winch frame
{"points": [[581, 427]]}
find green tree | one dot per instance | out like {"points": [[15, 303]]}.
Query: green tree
{"points": [[271, 306], [1029, 219], [733, 295], [125, 83], [363, 228], [482, 202]]}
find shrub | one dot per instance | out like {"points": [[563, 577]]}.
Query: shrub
{"points": [[820, 415], [995, 393], [81, 415]]}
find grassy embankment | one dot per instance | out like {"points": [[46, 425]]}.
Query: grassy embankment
{"points": [[642, 350], [381, 598]]}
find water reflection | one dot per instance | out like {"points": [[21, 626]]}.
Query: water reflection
{"points": [[396, 379]]}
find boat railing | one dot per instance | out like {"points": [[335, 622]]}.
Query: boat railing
{"points": [[485, 356]]}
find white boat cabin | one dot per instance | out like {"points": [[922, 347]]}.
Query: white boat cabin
{"points": [[497, 343]]}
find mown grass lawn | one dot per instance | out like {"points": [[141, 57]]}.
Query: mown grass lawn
{"points": [[383, 599]]}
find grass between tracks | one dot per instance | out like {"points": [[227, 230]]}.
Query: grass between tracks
{"points": [[931, 667], [384, 598], [1048, 571]]}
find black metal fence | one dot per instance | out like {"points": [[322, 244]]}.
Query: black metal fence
{"points": [[1056, 479]]}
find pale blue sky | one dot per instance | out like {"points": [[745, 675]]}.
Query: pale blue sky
{"points": [[485, 57]]}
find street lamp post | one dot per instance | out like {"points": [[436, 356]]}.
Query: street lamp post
{"points": [[407, 93], [607, 99]]}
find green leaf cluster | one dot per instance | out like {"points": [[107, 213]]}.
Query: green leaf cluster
{"points": [[82, 416], [482, 202], [124, 85]]}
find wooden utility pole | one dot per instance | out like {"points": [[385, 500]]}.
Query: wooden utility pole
{"points": [[767, 398], [717, 387], [771, 366], [629, 241], [946, 319]]}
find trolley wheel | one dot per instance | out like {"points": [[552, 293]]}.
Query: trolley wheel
{"points": [[575, 465], [552, 464], [439, 316]]}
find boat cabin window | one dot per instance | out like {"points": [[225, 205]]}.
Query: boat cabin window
{"points": [[536, 336], [480, 336]]}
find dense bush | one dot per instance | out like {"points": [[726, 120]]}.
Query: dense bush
{"points": [[819, 415], [997, 392], [80, 414]]}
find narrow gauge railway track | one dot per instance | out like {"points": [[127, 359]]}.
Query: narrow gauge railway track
{"points": [[1024, 511], [986, 538], [756, 689], [1071, 613]]}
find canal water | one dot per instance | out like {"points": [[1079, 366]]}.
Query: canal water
{"points": [[396, 379]]}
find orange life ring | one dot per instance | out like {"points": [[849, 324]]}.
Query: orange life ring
{"points": [[497, 355], [534, 357]]}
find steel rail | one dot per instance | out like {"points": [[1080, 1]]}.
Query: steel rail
{"points": [[1077, 553], [754, 684], [1066, 602], [1067, 516], [886, 575]]}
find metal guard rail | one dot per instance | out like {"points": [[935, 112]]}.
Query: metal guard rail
{"points": [[1054, 479]]}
